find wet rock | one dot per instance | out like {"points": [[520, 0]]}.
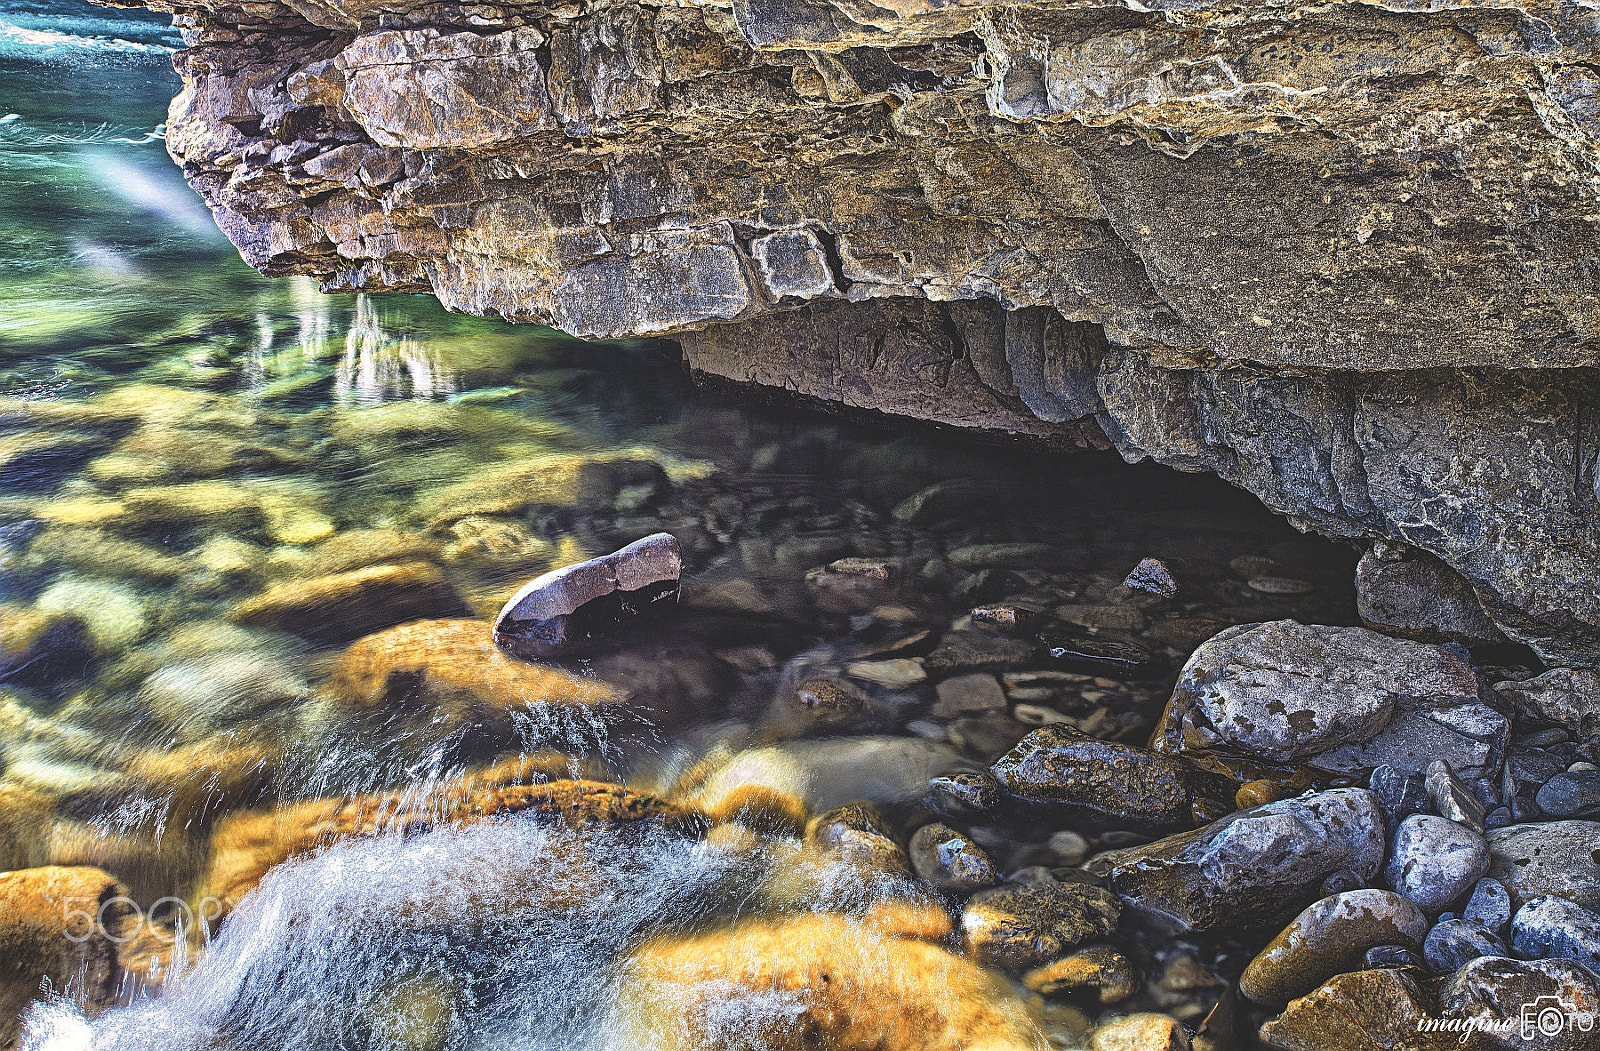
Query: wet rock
{"points": [[858, 834], [951, 861], [971, 651], [1253, 867], [967, 694], [828, 705], [1435, 861], [94, 552], [1553, 926], [1007, 556], [450, 669], [1452, 944], [1022, 926], [1556, 857], [568, 609], [1489, 906], [1402, 591], [1400, 794], [1102, 616], [495, 542], [1152, 577], [964, 792], [1100, 969], [65, 925], [1453, 799], [1101, 657], [1360, 1011], [40, 649], [345, 606], [945, 499], [841, 982], [1141, 1032], [245, 845], [1285, 691], [1495, 992], [1382, 956], [198, 698], [1069, 847], [899, 673], [1330, 937], [829, 773], [1074, 777], [114, 617], [1575, 793], [1568, 697]]}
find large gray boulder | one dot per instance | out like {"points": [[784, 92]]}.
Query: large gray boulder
{"points": [[1343, 699], [1252, 868]]}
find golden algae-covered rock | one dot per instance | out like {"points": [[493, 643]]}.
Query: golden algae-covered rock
{"points": [[448, 662], [61, 924], [815, 981], [245, 845]]}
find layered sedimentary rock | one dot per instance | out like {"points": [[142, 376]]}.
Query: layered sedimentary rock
{"points": [[1342, 254]]}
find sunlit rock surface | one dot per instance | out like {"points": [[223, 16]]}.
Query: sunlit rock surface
{"points": [[1340, 254]]}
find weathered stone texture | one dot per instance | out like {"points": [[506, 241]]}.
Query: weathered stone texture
{"points": [[1342, 254]]}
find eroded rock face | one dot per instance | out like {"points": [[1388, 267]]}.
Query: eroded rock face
{"points": [[1340, 254]]}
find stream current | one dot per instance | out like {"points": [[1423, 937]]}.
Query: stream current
{"points": [[212, 485]]}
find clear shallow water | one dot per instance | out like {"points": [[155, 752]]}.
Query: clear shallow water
{"points": [[179, 437]]}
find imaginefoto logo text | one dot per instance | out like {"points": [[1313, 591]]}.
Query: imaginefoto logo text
{"points": [[1548, 1016]]}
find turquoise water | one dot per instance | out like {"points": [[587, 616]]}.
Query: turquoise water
{"points": [[184, 443]]}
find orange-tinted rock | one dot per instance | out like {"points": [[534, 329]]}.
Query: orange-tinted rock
{"points": [[245, 845], [61, 924], [454, 664], [816, 981], [343, 606]]}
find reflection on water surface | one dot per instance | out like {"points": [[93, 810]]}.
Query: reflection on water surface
{"points": [[249, 537]]}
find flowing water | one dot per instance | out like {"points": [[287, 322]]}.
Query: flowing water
{"points": [[199, 469]]}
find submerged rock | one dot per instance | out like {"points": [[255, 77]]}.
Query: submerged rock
{"points": [[1146, 1031], [246, 844], [814, 981], [450, 667], [344, 606], [828, 773], [570, 608], [1023, 925], [1252, 867], [1111, 975], [1329, 938]]}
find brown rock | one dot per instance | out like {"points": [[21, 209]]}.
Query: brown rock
{"points": [[1329, 937], [842, 984], [246, 845], [1111, 975], [1360, 1011], [453, 665], [64, 925]]}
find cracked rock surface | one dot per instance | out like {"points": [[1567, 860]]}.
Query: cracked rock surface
{"points": [[1342, 254]]}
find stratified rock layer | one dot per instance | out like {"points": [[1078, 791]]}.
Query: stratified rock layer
{"points": [[1342, 254]]}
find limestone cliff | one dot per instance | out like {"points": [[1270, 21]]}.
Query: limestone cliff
{"points": [[1343, 254]]}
